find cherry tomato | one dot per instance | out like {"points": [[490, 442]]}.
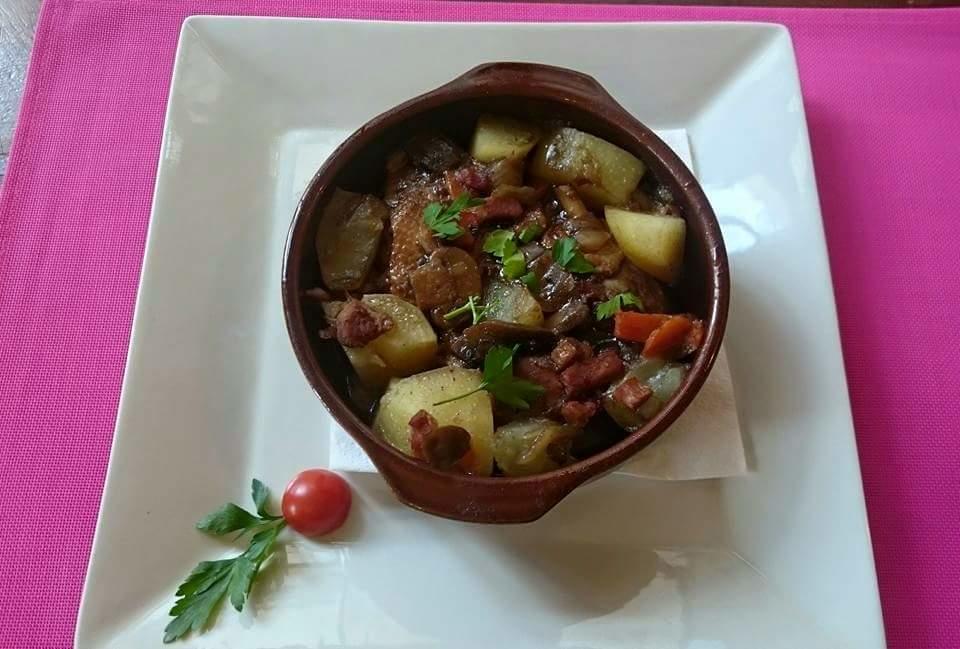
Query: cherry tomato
{"points": [[316, 502]]}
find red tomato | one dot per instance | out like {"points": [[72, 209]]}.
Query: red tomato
{"points": [[316, 502]]}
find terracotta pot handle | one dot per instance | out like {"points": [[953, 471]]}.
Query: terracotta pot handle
{"points": [[532, 79]]}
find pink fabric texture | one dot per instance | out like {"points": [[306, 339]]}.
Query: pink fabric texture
{"points": [[882, 91]]}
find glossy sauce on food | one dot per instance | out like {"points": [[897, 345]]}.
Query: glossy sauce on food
{"points": [[505, 303]]}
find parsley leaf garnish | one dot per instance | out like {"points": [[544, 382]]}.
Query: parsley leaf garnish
{"points": [[530, 232], [617, 303], [499, 381], [501, 244], [566, 254], [445, 221], [473, 306], [204, 588], [531, 282]]}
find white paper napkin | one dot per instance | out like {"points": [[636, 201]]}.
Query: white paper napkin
{"points": [[704, 442]]}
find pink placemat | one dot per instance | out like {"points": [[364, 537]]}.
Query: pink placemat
{"points": [[882, 91]]}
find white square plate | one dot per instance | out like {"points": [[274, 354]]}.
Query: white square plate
{"points": [[212, 396]]}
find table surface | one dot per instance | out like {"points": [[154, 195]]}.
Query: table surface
{"points": [[18, 18]]}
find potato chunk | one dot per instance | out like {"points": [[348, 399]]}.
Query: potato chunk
{"points": [[410, 346], [347, 238], [405, 397], [369, 366], [603, 173], [498, 137], [653, 242]]}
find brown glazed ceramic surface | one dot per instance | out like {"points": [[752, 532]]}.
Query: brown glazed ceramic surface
{"points": [[524, 90]]}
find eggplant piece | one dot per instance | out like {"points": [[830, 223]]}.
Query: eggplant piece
{"points": [[348, 237], [530, 446], [433, 152], [663, 379], [506, 173], [603, 173], [511, 302]]}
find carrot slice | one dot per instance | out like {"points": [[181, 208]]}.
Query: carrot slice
{"points": [[636, 327], [667, 340]]}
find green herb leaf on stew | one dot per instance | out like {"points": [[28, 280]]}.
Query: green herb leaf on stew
{"points": [[530, 232], [499, 381], [472, 306], [202, 591], [514, 264], [566, 254], [617, 303], [445, 221], [531, 282], [501, 244]]}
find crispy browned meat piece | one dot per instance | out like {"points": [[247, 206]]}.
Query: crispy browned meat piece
{"points": [[534, 218], [406, 223], [541, 371], [578, 413], [494, 209], [568, 351], [474, 178], [420, 424], [439, 446], [586, 376], [357, 325], [447, 280], [632, 393]]}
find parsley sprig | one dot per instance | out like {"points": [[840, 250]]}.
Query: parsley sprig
{"points": [[445, 221], [566, 254], [472, 306], [205, 587], [503, 245], [617, 303], [499, 381]]}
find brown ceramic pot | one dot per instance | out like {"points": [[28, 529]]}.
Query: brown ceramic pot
{"points": [[524, 90]]}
